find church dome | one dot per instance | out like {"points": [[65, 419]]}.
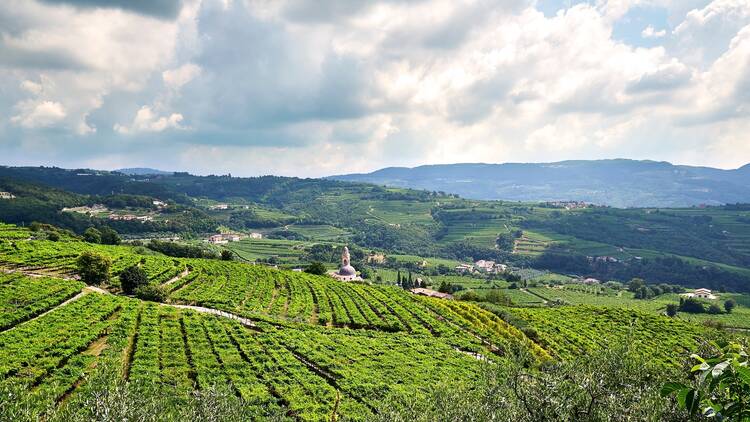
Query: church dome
{"points": [[347, 270]]}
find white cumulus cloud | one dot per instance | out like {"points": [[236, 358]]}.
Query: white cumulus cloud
{"points": [[147, 121]]}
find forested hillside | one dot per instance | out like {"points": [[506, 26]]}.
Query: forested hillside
{"points": [[690, 246]]}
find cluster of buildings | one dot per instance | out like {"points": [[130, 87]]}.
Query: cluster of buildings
{"points": [[222, 238], [130, 217], [483, 266], [568, 205], [6, 195], [602, 259]]}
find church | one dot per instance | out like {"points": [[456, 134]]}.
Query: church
{"points": [[346, 272]]}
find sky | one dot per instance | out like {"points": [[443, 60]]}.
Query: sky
{"points": [[314, 88]]}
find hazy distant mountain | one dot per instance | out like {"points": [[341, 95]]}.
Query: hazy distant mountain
{"points": [[619, 183], [143, 171]]}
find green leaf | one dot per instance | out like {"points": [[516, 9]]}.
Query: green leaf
{"points": [[692, 401], [671, 387], [744, 374], [698, 358], [700, 367], [682, 396]]}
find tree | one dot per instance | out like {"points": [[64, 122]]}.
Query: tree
{"points": [[109, 236], [729, 305], [53, 236], [714, 309], [92, 235], [672, 310], [93, 268], [132, 278], [226, 255], [316, 268], [636, 284]]}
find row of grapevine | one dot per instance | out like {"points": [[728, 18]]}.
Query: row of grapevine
{"points": [[23, 298], [31, 350]]}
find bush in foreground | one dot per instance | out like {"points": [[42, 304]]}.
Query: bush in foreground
{"points": [[615, 385]]}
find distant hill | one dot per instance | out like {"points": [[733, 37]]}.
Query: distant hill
{"points": [[143, 171], [618, 183]]}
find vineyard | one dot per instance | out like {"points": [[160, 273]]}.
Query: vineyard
{"points": [[574, 331], [308, 373], [319, 348], [286, 343]]}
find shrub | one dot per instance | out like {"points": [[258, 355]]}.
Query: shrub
{"points": [[227, 255], [92, 235], [93, 268], [729, 305], [672, 309], [714, 309], [132, 278], [316, 268], [151, 292], [692, 306]]}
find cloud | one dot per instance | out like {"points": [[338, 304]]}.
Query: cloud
{"points": [[147, 121], [343, 86], [176, 78], [664, 78], [33, 114], [163, 9], [650, 32]]}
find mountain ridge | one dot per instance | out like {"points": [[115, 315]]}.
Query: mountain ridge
{"points": [[614, 182]]}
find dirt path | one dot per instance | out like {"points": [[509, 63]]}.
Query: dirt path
{"points": [[534, 294], [244, 321], [83, 292], [35, 273], [176, 278]]}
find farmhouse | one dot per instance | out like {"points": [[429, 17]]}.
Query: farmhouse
{"points": [[591, 281], [464, 268], [431, 293], [701, 293], [485, 265], [255, 236], [6, 195], [217, 239], [346, 272]]}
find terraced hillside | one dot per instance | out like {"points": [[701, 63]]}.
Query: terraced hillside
{"points": [[303, 346]]}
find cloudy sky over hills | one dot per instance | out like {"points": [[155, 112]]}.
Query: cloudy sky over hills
{"points": [[317, 88]]}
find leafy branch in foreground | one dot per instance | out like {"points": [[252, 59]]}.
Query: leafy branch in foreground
{"points": [[720, 387]]}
